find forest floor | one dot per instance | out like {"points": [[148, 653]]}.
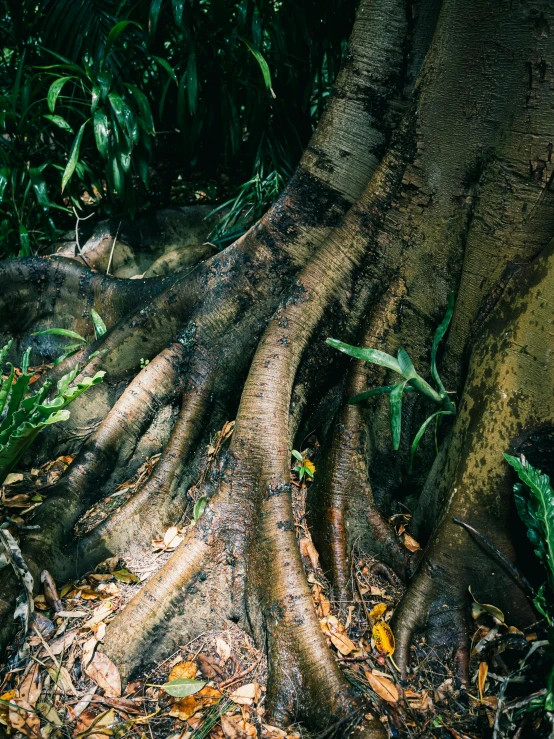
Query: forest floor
{"points": [[55, 684]]}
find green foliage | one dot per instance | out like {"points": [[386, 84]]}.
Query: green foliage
{"points": [[412, 382], [24, 415], [534, 498], [304, 468], [234, 88], [99, 330]]}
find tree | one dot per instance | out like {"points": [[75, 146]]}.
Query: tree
{"points": [[429, 172]]}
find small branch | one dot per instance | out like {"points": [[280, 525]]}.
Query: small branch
{"points": [[520, 579], [234, 678], [78, 245], [113, 247]]}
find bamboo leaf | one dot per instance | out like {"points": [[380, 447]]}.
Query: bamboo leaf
{"points": [[406, 367], [178, 7], [153, 16], [114, 34], [422, 430], [99, 325], [73, 156], [439, 335], [101, 132], [60, 332], [262, 64], [54, 91], [59, 121], [383, 390], [396, 413], [367, 355]]}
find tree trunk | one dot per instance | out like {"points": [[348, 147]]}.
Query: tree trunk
{"points": [[429, 172]]}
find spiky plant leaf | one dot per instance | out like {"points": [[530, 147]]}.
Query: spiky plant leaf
{"points": [[367, 355], [439, 335], [396, 413]]}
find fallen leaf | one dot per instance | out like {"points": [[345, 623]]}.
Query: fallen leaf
{"points": [[4, 708], [343, 644], [12, 478], [182, 687], [31, 687], [308, 550], [183, 670], [88, 724], [184, 708], [273, 732], [482, 677], [246, 694], [99, 614], [208, 696], [236, 727], [105, 674], [410, 543], [377, 611], [24, 719], [49, 713], [50, 592], [384, 687], [125, 576], [170, 535], [478, 608], [62, 679], [59, 645], [88, 651], [223, 649], [384, 638]]}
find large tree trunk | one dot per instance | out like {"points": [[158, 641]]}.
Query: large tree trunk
{"points": [[429, 172]]}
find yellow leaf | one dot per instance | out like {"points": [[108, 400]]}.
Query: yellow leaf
{"points": [[384, 638], [184, 708], [384, 687], [483, 672], [377, 611], [183, 670], [309, 465]]}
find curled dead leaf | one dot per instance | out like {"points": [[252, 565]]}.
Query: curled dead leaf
{"points": [[105, 674], [222, 648], [236, 727], [482, 677], [411, 544], [308, 550], [384, 687]]}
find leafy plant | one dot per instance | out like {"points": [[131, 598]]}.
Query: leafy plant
{"points": [[534, 498], [99, 330], [305, 467], [25, 415], [411, 382]]}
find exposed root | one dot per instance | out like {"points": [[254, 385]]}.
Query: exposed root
{"points": [[342, 509]]}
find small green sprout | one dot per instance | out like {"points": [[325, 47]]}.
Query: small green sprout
{"points": [[305, 467]]}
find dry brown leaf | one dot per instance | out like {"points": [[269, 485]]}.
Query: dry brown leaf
{"points": [[50, 591], [13, 477], [343, 644], [273, 732], [482, 677], [105, 674], [247, 694], [223, 649], [384, 687], [4, 709], [208, 696], [308, 550], [31, 687], [170, 536], [88, 723], [88, 651], [410, 543], [384, 638], [184, 708], [236, 727], [24, 719], [61, 644], [183, 670], [99, 614]]}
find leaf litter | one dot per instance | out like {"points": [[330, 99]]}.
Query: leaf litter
{"points": [[57, 682]]}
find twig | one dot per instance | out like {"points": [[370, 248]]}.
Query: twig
{"points": [[113, 247], [520, 579], [79, 219], [244, 673]]}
